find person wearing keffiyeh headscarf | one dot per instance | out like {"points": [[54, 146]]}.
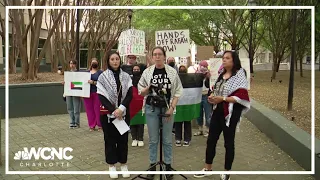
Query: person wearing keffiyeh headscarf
{"points": [[114, 87], [230, 100]]}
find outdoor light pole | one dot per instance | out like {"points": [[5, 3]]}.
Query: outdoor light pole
{"points": [[251, 3], [130, 12], [78, 37], [293, 57]]}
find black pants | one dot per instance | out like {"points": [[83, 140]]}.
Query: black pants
{"points": [[116, 145], [137, 132], [187, 131], [218, 125]]}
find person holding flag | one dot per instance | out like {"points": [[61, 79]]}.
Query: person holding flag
{"points": [[137, 120]]}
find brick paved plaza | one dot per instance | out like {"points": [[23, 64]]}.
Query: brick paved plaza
{"points": [[254, 151]]}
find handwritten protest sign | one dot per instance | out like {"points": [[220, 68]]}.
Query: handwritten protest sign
{"points": [[76, 84], [176, 43], [204, 52], [132, 42], [215, 64]]}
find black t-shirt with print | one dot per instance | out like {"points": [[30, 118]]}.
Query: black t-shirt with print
{"points": [[160, 77]]}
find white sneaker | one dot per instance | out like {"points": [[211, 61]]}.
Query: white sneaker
{"points": [[134, 143], [140, 143], [202, 175], [113, 169], [124, 169], [225, 177]]}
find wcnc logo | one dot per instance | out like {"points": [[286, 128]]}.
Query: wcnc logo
{"points": [[44, 153]]}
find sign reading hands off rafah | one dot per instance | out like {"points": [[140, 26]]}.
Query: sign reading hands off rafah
{"points": [[132, 42], [76, 84], [176, 43]]}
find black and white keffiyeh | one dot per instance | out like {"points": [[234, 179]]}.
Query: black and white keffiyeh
{"points": [[238, 81], [107, 86], [236, 87]]}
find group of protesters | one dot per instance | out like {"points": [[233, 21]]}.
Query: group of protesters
{"points": [[122, 89]]}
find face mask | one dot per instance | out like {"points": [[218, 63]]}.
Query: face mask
{"points": [[94, 65], [183, 71], [203, 69], [171, 64], [136, 73]]}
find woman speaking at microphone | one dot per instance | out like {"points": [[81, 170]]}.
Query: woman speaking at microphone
{"points": [[166, 81]]}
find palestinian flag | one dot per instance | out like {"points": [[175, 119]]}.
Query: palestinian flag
{"points": [[76, 85], [188, 107], [135, 108]]}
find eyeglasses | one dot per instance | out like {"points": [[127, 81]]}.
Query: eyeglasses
{"points": [[157, 54]]}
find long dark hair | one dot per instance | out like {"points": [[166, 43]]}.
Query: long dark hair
{"points": [[236, 65], [108, 58]]}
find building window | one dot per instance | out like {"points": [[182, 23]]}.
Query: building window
{"points": [[83, 58], [40, 47]]}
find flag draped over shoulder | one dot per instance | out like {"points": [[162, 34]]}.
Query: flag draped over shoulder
{"points": [[188, 107]]}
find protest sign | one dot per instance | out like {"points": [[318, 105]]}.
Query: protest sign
{"points": [[176, 43], [132, 42], [204, 52], [76, 84]]}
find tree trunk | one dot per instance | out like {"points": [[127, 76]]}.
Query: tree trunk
{"points": [[12, 56], [278, 64], [53, 60], [54, 64], [90, 53], [12, 64], [274, 67], [301, 70], [24, 60], [296, 63], [319, 61], [24, 63]]}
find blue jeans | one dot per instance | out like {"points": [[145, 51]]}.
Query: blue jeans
{"points": [[153, 130], [73, 107], [207, 108]]}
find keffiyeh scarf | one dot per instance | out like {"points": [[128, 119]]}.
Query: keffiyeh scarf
{"points": [[236, 87], [107, 86]]}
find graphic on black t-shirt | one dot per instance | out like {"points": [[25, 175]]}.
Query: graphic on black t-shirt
{"points": [[160, 78]]}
